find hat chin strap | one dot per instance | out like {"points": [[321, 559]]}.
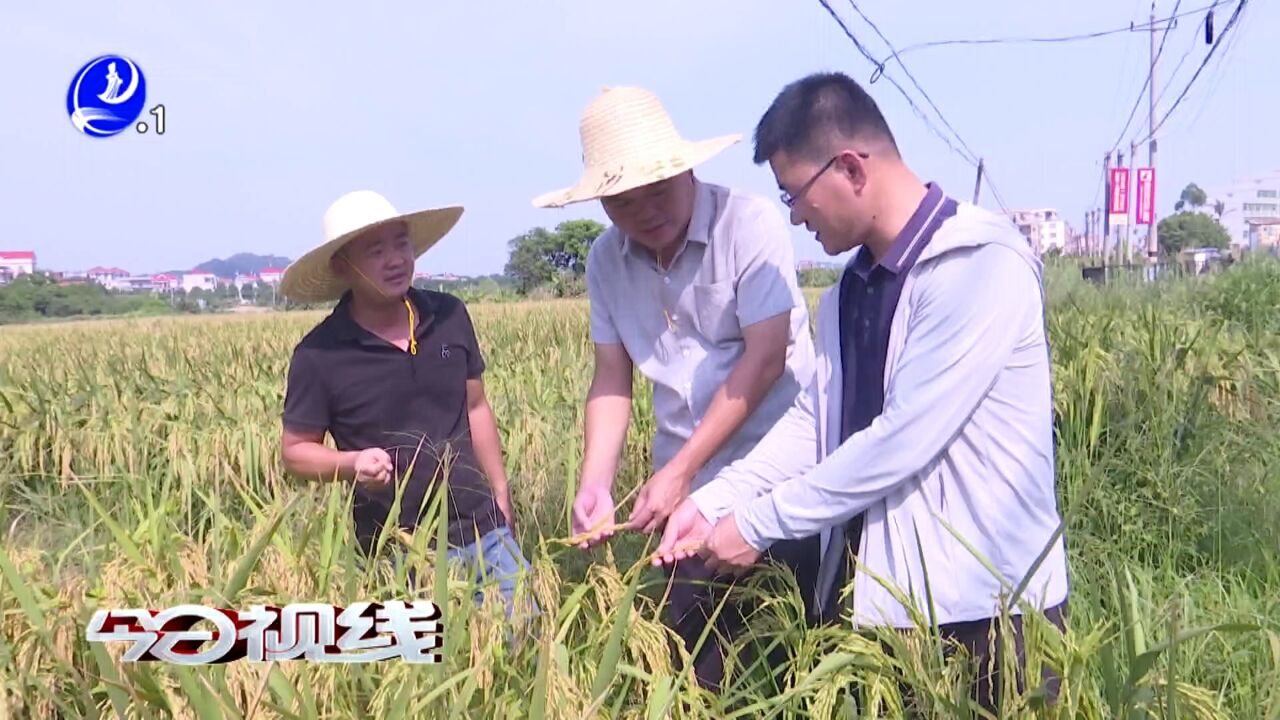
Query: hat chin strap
{"points": [[413, 335], [372, 284], [408, 305]]}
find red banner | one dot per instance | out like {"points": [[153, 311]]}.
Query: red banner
{"points": [[1119, 201], [1146, 195]]}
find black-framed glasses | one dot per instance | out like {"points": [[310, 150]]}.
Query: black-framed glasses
{"points": [[789, 200]]}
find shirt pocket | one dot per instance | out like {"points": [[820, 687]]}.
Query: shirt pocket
{"points": [[716, 311]]}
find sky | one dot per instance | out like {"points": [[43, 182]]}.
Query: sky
{"points": [[274, 110]]}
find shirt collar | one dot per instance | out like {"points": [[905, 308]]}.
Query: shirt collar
{"points": [[347, 328], [700, 221], [917, 230]]}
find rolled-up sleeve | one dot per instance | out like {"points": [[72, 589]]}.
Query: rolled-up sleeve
{"points": [[767, 284], [968, 318]]}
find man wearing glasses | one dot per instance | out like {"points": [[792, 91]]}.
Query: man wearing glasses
{"points": [[695, 286], [932, 414]]}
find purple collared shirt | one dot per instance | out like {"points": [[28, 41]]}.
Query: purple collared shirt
{"points": [[869, 293]]}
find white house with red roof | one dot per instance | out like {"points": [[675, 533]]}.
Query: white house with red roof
{"points": [[16, 262], [271, 275], [108, 277], [165, 282], [105, 273]]}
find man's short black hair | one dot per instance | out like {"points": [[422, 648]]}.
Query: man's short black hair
{"points": [[809, 112]]}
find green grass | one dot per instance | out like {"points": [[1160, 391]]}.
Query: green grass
{"points": [[139, 467]]}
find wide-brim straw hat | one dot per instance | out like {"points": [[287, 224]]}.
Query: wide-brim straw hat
{"points": [[310, 278], [628, 141]]}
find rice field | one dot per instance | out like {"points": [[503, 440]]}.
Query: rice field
{"points": [[139, 467]]}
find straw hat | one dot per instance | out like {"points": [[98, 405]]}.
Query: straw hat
{"points": [[310, 278], [628, 141]]}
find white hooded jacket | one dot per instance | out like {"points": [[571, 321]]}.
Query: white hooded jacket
{"points": [[965, 440]]}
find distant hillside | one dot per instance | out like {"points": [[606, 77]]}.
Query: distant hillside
{"points": [[243, 264]]}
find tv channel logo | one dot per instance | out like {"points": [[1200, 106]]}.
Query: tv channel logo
{"points": [[107, 95]]}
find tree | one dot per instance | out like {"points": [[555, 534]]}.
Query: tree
{"points": [[1192, 196], [1219, 207], [542, 256], [264, 294], [33, 296], [1191, 230]]}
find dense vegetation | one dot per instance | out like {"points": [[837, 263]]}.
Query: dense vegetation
{"points": [[139, 467], [35, 297]]}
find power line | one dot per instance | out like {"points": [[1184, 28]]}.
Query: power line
{"points": [[995, 191], [1132, 112], [1226, 30], [971, 156], [1215, 80], [1060, 39], [1137, 102], [911, 77], [915, 108], [1195, 42], [1123, 72]]}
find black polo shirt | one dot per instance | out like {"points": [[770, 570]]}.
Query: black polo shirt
{"points": [[869, 294], [368, 393]]}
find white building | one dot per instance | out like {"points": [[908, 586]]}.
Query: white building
{"points": [[107, 277], [199, 280], [164, 283], [133, 283], [16, 262], [1250, 201], [1264, 235], [1044, 229], [271, 276]]}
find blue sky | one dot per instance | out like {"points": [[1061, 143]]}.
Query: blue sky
{"points": [[276, 109]]}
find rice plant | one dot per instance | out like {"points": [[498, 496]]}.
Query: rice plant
{"points": [[139, 467]]}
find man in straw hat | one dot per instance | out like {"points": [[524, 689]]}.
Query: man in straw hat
{"points": [[694, 284], [932, 416], [394, 375]]}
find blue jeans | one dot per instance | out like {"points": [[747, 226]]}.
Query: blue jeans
{"points": [[495, 558]]}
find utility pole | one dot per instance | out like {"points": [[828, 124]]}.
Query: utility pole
{"points": [[1097, 231], [977, 184], [1153, 246], [1098, 220], [1133, 207], [1122, 239], [1091, 217], [1088, 233], [1091, 232], [1106, 208]]}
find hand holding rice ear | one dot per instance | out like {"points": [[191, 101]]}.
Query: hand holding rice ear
{"points": [[311, 277], [628, 141], [603, 529]]}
